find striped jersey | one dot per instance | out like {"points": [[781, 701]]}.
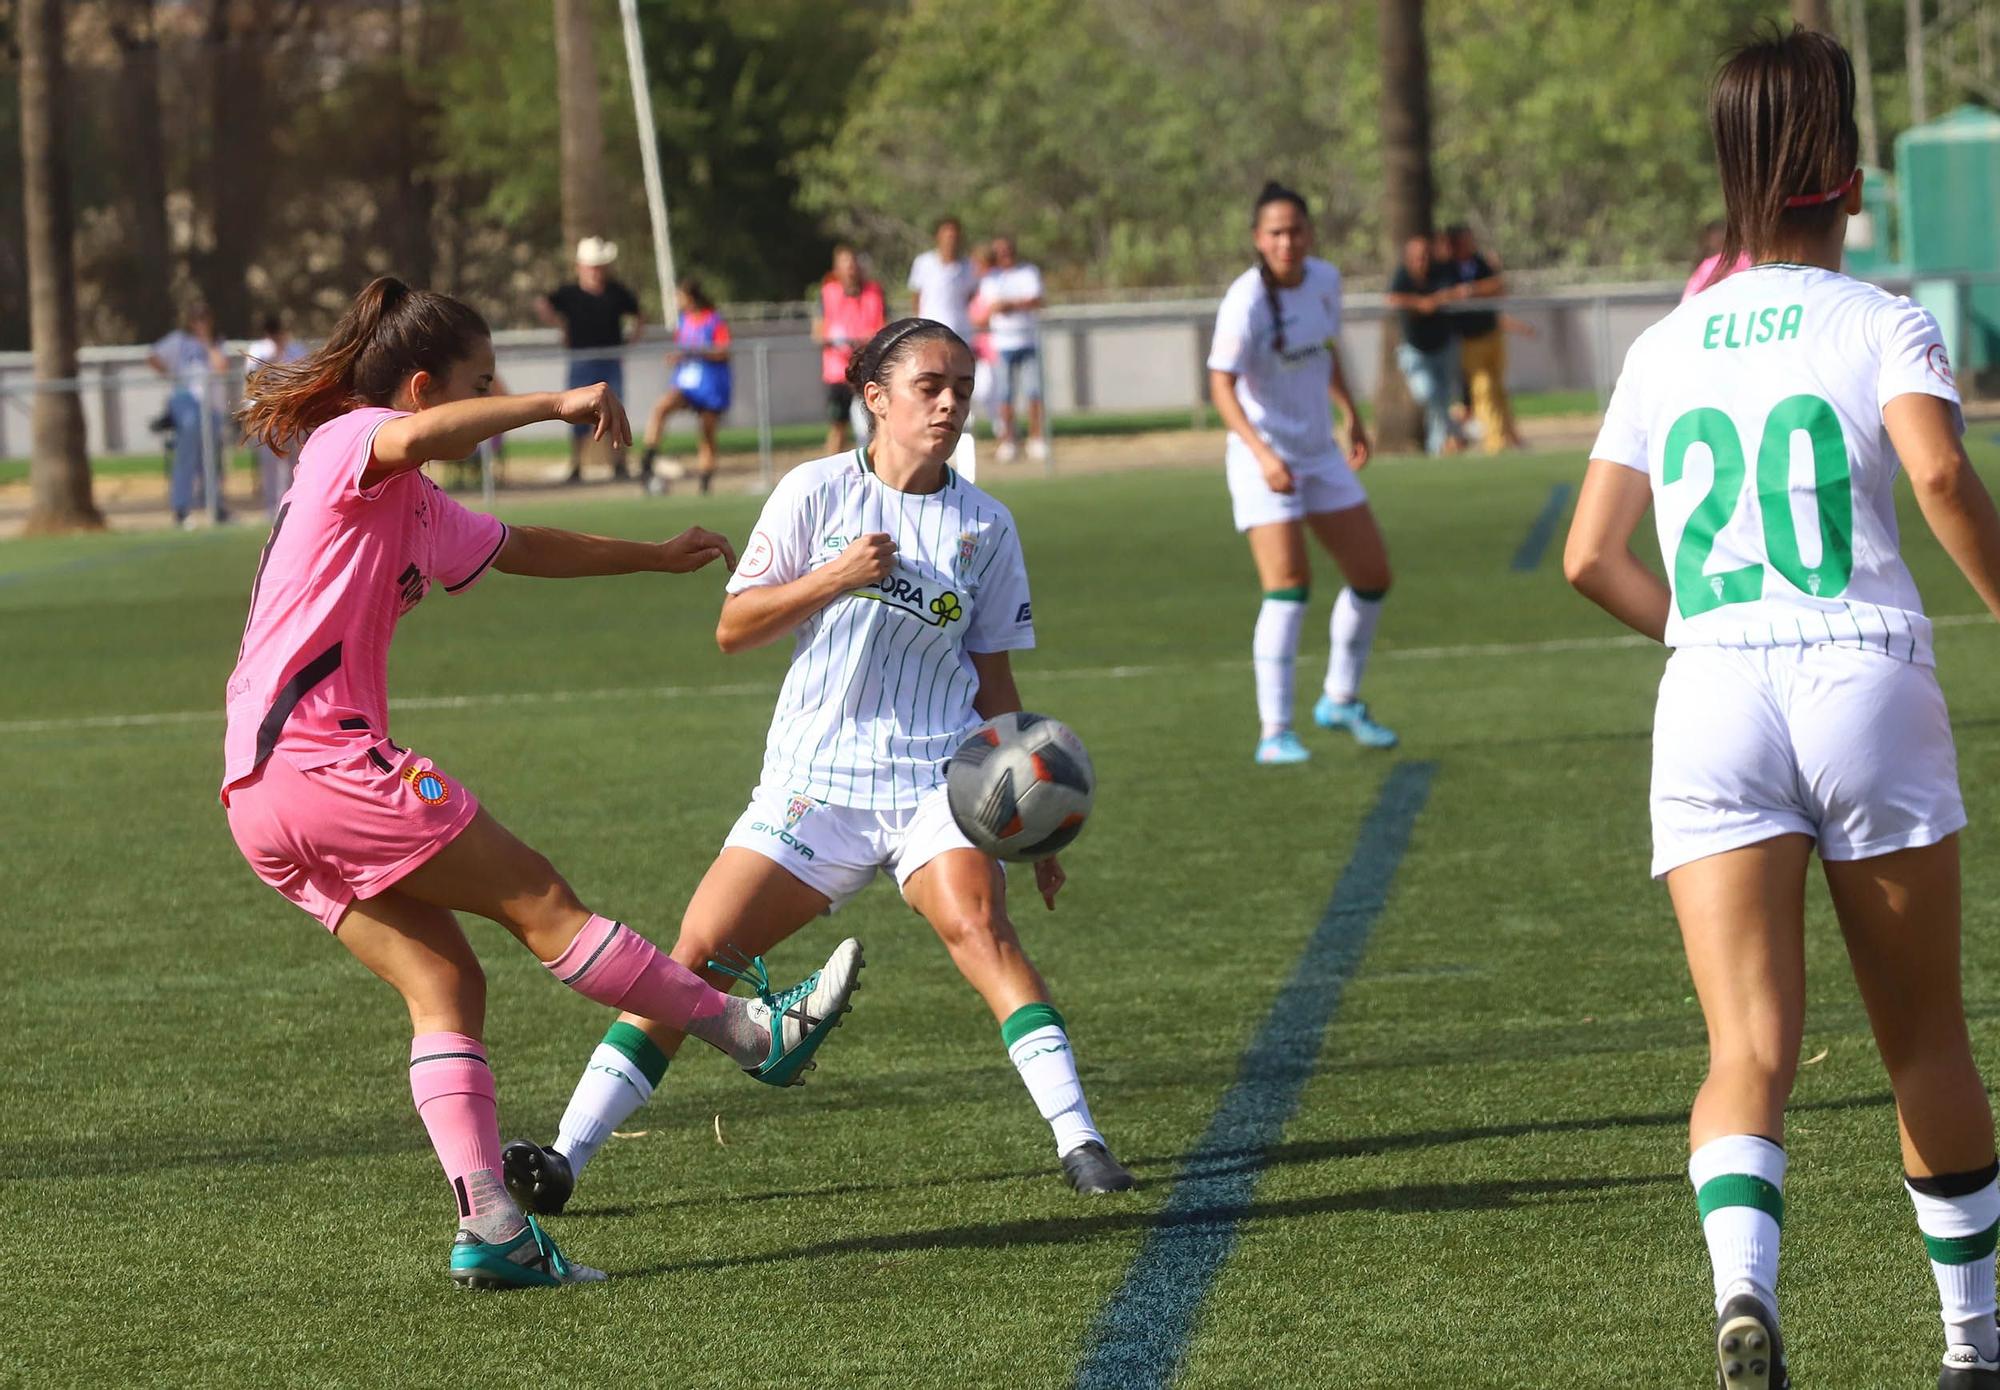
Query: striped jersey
{"points": [[881, 684], [1755, 409]]}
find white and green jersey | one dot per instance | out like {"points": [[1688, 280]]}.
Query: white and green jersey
{"points": [[881, 685], [1756, 410]]}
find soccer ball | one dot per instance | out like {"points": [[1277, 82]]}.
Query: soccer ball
{"points": [[1020, 786]]}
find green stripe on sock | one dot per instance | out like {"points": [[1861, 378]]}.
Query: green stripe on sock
{"points": [[644, 1052], [1963, 1250], [1027, 1019], [1298, 595], [1741, 1190]]}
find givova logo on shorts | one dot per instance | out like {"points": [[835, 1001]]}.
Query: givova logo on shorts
{"points": [[796, 810]]}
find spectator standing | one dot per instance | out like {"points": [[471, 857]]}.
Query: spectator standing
{"points": [[1709, 270], [1482, 347], [1013, 294], [851, 311], [193, 360], [702, 382], [1428, 354], [944, 280], [276, 348], [591, 311]]}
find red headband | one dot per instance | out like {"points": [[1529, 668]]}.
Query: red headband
{"points": [[1813, 200]]}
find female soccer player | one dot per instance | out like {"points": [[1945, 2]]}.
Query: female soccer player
{"points": [[1274, 363], [382, 845], [1764, 421], [903, 589], [701, 381]]}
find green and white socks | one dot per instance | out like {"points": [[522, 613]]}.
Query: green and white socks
{"points": [[1739, 1182], [1039, 1048], [619, 1079], [1959, 1214]]}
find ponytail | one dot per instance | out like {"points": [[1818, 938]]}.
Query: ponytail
{"points": [[388, 333], [1274, 192]]}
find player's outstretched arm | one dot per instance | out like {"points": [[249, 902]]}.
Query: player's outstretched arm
{"points": [[1598, 558], [453, 430], [759, 617], [1955, 503], [543, 552]]}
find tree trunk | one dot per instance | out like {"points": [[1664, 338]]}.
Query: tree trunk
{"points": [[415, 185], [239, 149], [58, 467], [142, 287], [1813, 14], [1406, 162], [583, 196]]}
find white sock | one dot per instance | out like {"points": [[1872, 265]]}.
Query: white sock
{"points": [[1739, 1180], [1274, 652], [1353, 632], [619, 1079], [1959, 1229], [1048, 1068]]}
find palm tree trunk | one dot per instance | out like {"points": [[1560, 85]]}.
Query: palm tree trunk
{"points": [[58, 467], [583, 197], [1407, 197]]}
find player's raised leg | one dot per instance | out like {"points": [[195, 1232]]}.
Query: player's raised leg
{"points": [[1900, 916], [1283, 572], [1355, 542], [419, 950], [746, 904], [963, 895], [1742, 918]]}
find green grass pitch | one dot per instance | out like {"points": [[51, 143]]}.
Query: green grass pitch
{"points": [[211, 1172]]}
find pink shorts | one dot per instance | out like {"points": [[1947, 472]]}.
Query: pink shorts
{"points": [[328, 835]]}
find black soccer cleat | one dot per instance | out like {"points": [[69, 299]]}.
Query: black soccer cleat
{"points": [[538, 1178], [1092, 1171], [1749, 1354], [1965, 1369]]}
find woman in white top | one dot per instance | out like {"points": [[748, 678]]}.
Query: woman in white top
{"points": [[1764, 422], [903, 589], [1274, 364]]}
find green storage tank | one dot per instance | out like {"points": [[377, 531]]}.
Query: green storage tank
{"points": [[1948, 175]]}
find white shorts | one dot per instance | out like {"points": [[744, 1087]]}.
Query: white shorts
{"points": [[1850, 747], [837, 849], [1324, 484]]}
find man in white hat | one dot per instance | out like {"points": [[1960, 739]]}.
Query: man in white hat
{"points": [[591, 310]]}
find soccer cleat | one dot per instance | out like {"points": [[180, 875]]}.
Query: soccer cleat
{"points": [[1352, 715], [529, 1261], [538, 1178], [1965, 1369], [1092, 1170], [1749, 1354], [798, 1018], [1281, 748], [1007, 452]]}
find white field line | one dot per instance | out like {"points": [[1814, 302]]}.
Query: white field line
{"points": [[502, 699]]}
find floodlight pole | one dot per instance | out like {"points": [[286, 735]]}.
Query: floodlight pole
{"points": [[649, 160]]}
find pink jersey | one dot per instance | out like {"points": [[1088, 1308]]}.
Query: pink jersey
{"points": [[1698, 281], [341, 567], [851, 320]]}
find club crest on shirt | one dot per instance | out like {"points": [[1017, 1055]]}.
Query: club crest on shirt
{"points": [[430, 788], [797, 809], [968, 547]]}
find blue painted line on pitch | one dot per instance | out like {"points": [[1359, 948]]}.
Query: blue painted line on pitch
{"points": [[1144, 1330], [1536, 542]]}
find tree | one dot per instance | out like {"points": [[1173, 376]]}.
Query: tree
{"points": [[1408, 192], [58, 469], [139, 283], [1813, 14], [584, 206]]}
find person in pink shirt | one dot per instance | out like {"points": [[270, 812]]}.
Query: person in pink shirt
{"points": [[851, 311], [380, 844], [1709, 270]]}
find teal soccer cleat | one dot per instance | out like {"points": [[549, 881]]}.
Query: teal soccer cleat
{"points": [[529, 1261], [1281, 748], [1352, 715], [798, 1018]]}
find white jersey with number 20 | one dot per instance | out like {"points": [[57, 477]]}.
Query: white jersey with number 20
{"points": [[1755, 408], [881, 685]]}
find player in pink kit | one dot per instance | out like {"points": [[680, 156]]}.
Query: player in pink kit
{"points": [[383, 846]]}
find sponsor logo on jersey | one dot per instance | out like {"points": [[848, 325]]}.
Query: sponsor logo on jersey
{"points": [[1026, 614], [430, 788], [939, 608], [1939, 362]]}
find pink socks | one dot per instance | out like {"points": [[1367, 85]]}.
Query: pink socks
{"points": [[453, 1088], [614, 965]]}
